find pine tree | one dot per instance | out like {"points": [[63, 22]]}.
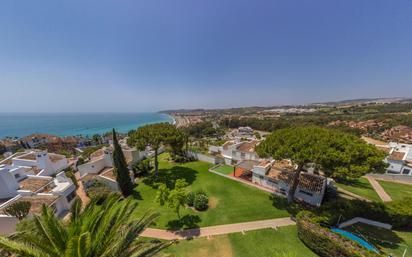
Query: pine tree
{"points": [[120, 168]]}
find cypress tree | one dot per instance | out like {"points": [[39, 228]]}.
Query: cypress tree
{"points": [[120, 168]]}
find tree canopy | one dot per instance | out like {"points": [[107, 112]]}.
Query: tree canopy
{"points": [[340, 155], [120, 168], [155, 136]]}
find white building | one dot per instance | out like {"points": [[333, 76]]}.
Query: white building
{"points": [[40, 162], [236, 151], [22, 183], [275, 175], [280, 177], [100, 166], [399, 158]]}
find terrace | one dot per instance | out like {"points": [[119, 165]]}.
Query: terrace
{"points": [[34, 184]]}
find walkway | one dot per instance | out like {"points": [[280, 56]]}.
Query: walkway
{"points": [[379, 189], [217, 230], [80, 190]]}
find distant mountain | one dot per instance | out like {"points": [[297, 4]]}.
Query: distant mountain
{"points": [[366, 101], [303, 106]]}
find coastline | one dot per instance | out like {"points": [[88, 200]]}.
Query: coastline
{"points": [[76, 124]]}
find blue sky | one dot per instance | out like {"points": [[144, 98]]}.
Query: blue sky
{"points": [[137, 56]]}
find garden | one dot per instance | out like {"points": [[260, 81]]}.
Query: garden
{"points": [[228, 201]]}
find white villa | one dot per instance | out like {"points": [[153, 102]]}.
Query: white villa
{"points": [[399, 158], [279, 176], [100, 166], [28, 177], [235, 151]]}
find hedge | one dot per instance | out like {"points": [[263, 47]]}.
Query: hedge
{"points": [[324, 242]]}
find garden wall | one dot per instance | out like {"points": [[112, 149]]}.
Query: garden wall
{"points": [[204, 158]]}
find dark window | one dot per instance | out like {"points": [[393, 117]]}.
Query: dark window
{"points": [[71, 196], [17, 176], [305, 193], [406, 171], [260, 176]]}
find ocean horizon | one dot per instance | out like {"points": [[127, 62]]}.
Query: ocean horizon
{"points": [[72, 124]]}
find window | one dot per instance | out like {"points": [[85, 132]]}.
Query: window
{"points": [[406, 171], [71, 196], [242, 155], [305, 193], [260, 176], [17, 176]]}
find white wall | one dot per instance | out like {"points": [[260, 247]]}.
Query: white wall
{"points": [[7, 224], [92, 167]]}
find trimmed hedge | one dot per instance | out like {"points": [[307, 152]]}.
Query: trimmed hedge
{"points": [[324, 242]]}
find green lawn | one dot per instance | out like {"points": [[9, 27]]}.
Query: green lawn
{"points": [[389, 242], [396, 190], [259, 243], [224, 169], [229, 201], [361, 187]]}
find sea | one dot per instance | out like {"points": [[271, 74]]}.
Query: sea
{"points": [[72, 124]]}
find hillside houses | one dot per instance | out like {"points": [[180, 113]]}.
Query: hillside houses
{"points": [[100, 165], [281, 176], [235, 151], [35, 177], [402, 134], [399, 158]]}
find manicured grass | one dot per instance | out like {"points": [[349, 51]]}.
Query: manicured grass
{"points": [[224, 169], [396, 190], [229, 201], [389, 242], [361, 187], [259, 243]]}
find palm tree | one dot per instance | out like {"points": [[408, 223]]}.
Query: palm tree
{"points": [[105, 230]]}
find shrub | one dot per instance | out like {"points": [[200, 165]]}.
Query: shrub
{"points": [[98, 190], [201, 201], [18, 209], [142, 168], [400, 212], [70, 174], [190, 199]]}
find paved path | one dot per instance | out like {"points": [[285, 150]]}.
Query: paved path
{"points": [[217, 230], [379, 189], [80, 190]]}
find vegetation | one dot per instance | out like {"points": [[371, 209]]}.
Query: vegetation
{"points": [[324, 242], [19, 209], [203, 129], [340, 155], [397, 213], [282, 242], [120, 169], [174, 198], [225, 169], [70, 174], [361, 187], [97, 190], [396, 191], [99, 230], [390, 242], [201, 201], [142, 168], [229, 201], [155, 136]]}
